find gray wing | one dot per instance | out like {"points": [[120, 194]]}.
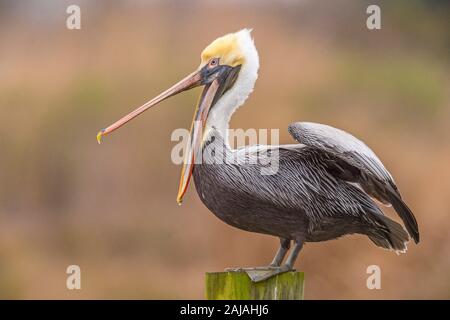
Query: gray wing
{"points": [[349, 159]]}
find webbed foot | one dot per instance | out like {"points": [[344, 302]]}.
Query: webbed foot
{"points": [[257, 274], [261, 274], [245, 269]]}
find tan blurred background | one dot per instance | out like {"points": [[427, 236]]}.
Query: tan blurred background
{"points": [[111, 209]]}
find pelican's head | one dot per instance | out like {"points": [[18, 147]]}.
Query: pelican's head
{"points": [[229, 64]]}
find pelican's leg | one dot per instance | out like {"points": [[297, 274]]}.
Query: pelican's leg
{"points": [[285, 244], [289, 265], [260, 275]]}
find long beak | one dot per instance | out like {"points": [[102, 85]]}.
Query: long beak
{"points": [[191, 81], [193, 153]]}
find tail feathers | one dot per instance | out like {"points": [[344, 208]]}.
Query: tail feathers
{"points": [[393, 236], [406, 215], [381, 242]]}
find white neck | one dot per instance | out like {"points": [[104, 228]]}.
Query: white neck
{"points": [[220, 114]]}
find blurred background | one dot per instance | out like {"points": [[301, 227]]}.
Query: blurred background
{"points": [[111, 209]]}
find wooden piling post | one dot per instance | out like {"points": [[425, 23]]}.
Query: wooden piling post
{"points": [[238, 286]]}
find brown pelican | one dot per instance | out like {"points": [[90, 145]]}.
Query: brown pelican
{"points": [[324, 186]]}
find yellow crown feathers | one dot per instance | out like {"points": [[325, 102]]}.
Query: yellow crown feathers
{"points": [[227, 49]]}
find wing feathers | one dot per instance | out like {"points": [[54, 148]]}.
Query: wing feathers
{"points": [[405, 214], [349, 159]]}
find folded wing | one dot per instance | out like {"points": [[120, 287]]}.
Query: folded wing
{"points": [[351, 160]]}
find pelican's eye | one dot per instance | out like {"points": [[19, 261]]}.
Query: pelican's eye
{"points": [[213, 62]]}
